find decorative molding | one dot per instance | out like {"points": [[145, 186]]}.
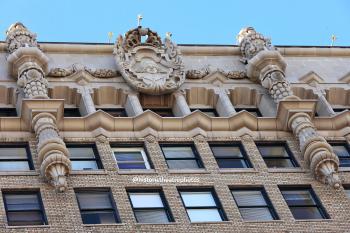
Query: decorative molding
{"points": [[311, 78], [345, 78], [204, 72], [19, 36], [149, 67]]}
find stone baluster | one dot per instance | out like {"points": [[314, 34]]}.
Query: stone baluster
{"points": [[323, 108], [224, 105], [266, 65], [87, 105], [53, 154], [180, 106], [132, 105]]}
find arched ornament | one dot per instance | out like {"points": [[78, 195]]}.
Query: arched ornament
{"points": [[149, 66]]}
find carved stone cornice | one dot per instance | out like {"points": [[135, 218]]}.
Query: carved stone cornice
{"points": [[59, 72], [202, 73], [149, 67]]}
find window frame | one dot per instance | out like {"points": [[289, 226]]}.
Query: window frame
{"points": [[218, 205], [100, 190], [347, 147], [264, 194], [28, 153], [196, 157], [29, 192], [165, 203], [290, 154], [244, 157], [97, 158], [318, 204], [132, 147]]}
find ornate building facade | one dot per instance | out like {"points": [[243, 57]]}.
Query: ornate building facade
{"points": [[148, 136]]}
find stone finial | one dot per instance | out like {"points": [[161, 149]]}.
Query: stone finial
{"points": [[148, 65], [19, 36]]}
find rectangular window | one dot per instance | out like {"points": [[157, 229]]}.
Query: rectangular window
{"points": [[202, 206], [150, 206], [24, 208], [8, 112], [15, 158], [181, 157], [209, 111], [163, 112], [84, 157], [96, 206], [277, 155], [342, 150], [254, 205], [347, 190], [230, 156], [71, 112], [131, 158], [115, 112], [255, 111], [303, 203]]}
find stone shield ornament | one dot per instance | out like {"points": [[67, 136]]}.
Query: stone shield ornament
{"points": [[149, 66]]}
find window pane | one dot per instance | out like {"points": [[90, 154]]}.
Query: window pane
{"points": [[22, 202], [256, 214], [178, 152], [267, 151], [231, 163], [226, 151], [98, 217], [144, 200], [13, 153], [344, 162], [276, 163], [132, 165], [194, 199], [306, 213], [204, 215], [298, 197], [151, 216], [347, 192], [81, 152], [182, 164], [340, 151], [128, 156], [84, 165], [98, 200], [249, 198], [14, 166], [25, 218]]}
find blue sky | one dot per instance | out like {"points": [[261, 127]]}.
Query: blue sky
{"points": [[295, 22]]}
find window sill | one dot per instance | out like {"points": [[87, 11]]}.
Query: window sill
{"points": [[19, 173], [167, 223], [136, 171], [313, 220], [89, 172], [103, 225], [286, 170], [188, 171], [263, 221], [222, 222], [237, 170], [344, 169], [27, 226]]}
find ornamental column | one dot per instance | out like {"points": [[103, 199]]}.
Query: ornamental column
{"points": [[29, 64], [265, 65]]}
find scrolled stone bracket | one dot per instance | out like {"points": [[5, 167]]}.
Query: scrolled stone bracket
{"points": [[316, 150], [53, 154]]}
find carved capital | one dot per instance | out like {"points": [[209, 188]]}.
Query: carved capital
{"points": [[19, 36]]}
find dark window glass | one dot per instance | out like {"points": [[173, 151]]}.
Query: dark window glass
{"points": [[339, 109], [131, 158], [96, 207], [84, 157], [209, 111], [15, 158], [347, 191], [303, 203], [72, 112], [254, 204], [277, 155], [230, 156], [116, 112], [24, 208], [8, 112], [342, 150], [255, 111], [181, 157], [150, 206], [202, 206], [163, 112]]}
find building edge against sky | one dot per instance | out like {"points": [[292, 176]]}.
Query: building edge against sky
{"points": [[148, 136]]}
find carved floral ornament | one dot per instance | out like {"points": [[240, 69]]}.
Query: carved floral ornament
{"points": [[59, 72], [19, 36], [149, 66]]}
